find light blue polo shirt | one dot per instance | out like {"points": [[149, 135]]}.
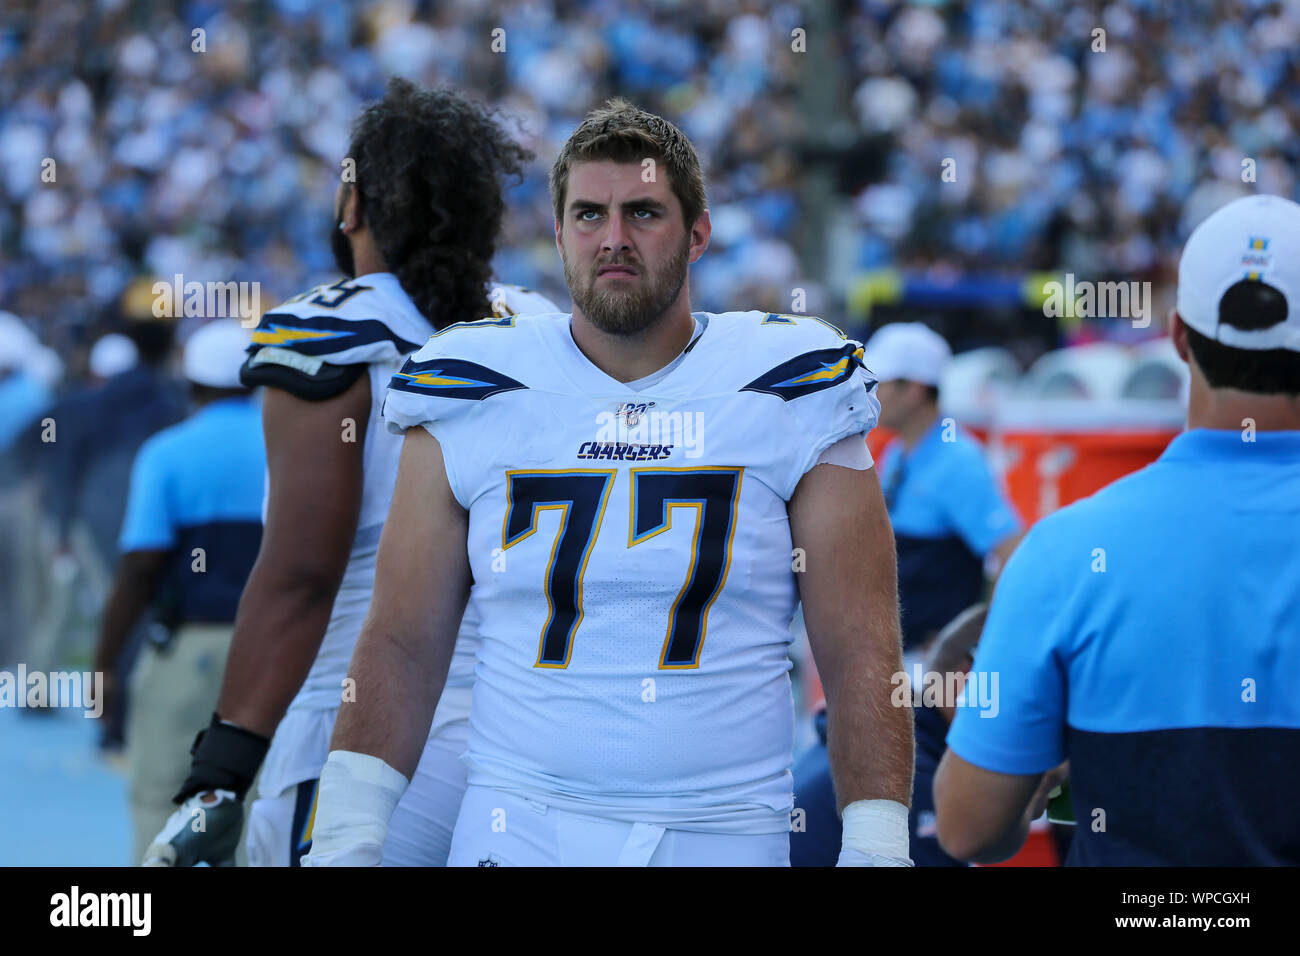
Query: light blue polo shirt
{"points": [[198, 484], [948, 513], [1151, 634]]}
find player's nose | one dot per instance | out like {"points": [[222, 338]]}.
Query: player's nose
{"points": [[615, 237]]}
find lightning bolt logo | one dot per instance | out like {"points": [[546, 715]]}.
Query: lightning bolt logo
{"points": [[435, 379], [283, 334], [827, 373]]}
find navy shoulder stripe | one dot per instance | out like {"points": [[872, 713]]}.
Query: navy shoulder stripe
{"points": [[810, 372], [452, 378], [323, 334]]}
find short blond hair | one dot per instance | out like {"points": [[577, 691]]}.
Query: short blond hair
{"points": [[623, 133]]}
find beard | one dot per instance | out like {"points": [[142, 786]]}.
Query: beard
{"points": [[340, 246], [628, 311]]}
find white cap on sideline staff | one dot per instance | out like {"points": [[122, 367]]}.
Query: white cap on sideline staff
{"points": [[214, 354], [1253, 238], [907, 350]]}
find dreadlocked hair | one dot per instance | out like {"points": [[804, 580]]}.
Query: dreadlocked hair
{"points": [[429, 167]]}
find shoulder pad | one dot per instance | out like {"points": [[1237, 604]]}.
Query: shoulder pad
{"points": [[451, 378], [810, 372], [349, 322], [302, 376], [788, 356]]}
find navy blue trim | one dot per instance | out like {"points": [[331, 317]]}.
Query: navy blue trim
{"points": [[304, 799], [788, 380], [452, 378], [345, 334]]}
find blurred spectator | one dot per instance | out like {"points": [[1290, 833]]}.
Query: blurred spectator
{"points": [[1077, 133], [28, 372], [85, 472], [818, 842], [191, 533], [112, 355]]}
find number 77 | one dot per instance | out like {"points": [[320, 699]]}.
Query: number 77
{"points": [[581, 496]]}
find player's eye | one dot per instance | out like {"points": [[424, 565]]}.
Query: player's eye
{"points": [[649, 213], [582, 216]]}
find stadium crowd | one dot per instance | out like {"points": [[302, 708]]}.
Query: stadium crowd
{"points": [[212, 163], [144, 140]]}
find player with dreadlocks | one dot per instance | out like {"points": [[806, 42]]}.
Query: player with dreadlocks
{"points": [[415, 235]]}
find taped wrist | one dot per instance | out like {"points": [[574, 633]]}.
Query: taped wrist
{"points": [[226, 757], [355, 800], [877, 827]]}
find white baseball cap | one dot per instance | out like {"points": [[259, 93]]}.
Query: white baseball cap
{"points": [[17, 343], [1255, 238], [112, 354], [907, 350], [214, 353]]}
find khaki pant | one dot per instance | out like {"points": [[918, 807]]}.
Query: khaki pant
{"points": [[173, 695]]}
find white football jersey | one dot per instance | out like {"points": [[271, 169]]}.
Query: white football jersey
{"points": [[632, 558], [368, 320]]}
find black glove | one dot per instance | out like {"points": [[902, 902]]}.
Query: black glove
{"points": [[226, 757], [207, 826]]}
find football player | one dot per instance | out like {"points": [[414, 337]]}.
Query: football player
{"points": [[635, 498], [415, 234]]}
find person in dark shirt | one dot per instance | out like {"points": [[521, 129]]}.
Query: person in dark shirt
{"points": [[190, 537], [818, 843]]}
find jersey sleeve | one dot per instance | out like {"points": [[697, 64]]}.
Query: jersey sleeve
{"points": [[826, 394], [1014, 713], [446, 394], [149, 523], [318, 343]]}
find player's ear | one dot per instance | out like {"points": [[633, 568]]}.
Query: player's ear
{"points": [[1178, 333], [353, 214], [558, 244], [701, 230]]}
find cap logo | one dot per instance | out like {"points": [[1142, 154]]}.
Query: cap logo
{"points": [[1258, 259]]}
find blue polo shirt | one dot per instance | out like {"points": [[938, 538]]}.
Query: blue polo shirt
{"points": [[948, 513], [1151, 634], [199, 484]]}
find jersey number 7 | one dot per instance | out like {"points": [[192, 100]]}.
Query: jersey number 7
{"points": [[580, 496]]}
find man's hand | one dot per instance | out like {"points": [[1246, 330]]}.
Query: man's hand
{"points": [[1047, 790], [204, 829]]}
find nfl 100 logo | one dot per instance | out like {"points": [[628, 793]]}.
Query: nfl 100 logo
{"points": [[642, 424]]}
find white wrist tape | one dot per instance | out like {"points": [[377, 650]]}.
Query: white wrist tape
{"points": [[354, 802], [877, 826]]}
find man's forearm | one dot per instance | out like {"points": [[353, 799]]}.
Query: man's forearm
{"points": [[399, 679], [278, 633], [133, 589], [870, 742]]}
